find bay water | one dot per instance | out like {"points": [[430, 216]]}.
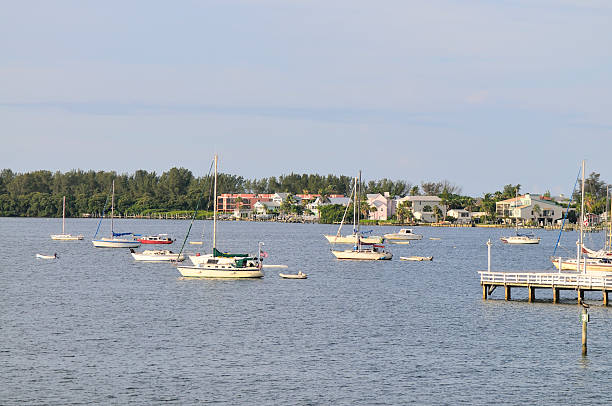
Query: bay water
{"points": [[94, 326]]}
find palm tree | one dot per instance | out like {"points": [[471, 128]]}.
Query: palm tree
{"points": [[438, 213]]}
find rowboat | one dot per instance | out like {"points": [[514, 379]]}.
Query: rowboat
{"points": [[41, 256], [416, 258], [299, 275]]}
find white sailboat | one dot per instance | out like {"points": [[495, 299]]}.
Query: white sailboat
{"points": [[219, 264], [63, 236], [361, 250], [156, 256], [600, 266], [113, 241], [519, 238]]}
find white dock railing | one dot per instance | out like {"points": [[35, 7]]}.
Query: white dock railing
{"points": [[547, 279]]}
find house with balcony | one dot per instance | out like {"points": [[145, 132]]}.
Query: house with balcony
{"points": [[268, 208], [529, 208]]}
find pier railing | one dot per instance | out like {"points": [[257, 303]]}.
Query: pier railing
{"points": [[546, 279]]}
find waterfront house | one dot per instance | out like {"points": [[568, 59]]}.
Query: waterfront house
{"points": [[227, 202], [529, 208], [266, 208], [382, 206], [463, 216], [423, 207]]}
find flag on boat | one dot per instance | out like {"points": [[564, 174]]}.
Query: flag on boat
{"points": [[264, 254]]}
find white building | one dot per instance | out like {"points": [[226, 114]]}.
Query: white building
{"points": [[463, 216], [265, 208], [423, 207], [530, 208], [384, 206]]}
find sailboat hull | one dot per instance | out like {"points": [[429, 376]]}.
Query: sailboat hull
{"points": [[115, 243], [592, 266], [520, 240], [362, 255], [66, 237], [223, 272]]}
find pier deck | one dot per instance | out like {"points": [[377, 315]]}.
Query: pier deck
{"points": [[545, 280]]}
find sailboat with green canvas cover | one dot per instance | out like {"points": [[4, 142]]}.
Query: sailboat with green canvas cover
{"points": [[223, 264]]}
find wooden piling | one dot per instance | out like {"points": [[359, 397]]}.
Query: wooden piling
{"points": [[484, 291], [605, 297], [580, 295], [531, 293], [507, 290], [556, 292], [584, 330]]}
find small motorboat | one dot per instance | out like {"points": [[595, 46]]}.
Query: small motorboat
{"points": [[416, 258], [155, 239], [403, 234], [299, 275], [41, 256]]}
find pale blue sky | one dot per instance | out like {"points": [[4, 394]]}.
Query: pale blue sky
{"points": [[482, 93]]}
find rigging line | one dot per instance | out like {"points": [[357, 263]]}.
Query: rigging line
{"points": [[103, 211], [343, 216], [566, 212], [195, 213]]}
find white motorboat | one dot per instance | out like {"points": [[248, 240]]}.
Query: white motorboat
{"points": [[114, 241], [157, 256], [299, 275], [41, 256], [403, 234], [361, 250], [63, 236], [220, 264]]}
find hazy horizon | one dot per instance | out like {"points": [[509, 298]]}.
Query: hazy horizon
{"points": [[482, 94]]}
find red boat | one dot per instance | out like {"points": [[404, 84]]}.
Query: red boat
{"points": [[156, 239]]}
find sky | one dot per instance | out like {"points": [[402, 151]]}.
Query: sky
{"points": [[482, 93]]}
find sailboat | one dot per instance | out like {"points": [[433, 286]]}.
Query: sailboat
{"points": [[583, 264], [113, 241], [63, 236], [606, 251], [361, 250], [220, 264], [519, 238]]}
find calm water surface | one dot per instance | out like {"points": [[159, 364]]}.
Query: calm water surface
{"points": [[96, 327]]}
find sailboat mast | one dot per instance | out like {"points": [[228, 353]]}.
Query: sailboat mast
{"points": [[581, 222], [359, 202], [215, 209], [113, 210], [354, 197], [64, 215], [609, 237]]}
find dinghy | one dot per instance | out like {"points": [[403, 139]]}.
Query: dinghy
{"points": [[299, 275], [41, 256], [415, 258]]}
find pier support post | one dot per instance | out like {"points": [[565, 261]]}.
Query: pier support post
{"points": [[580, 295], [484, 291], [585, 320], [508, 294], [531, 293], [605, 297], [556, 292]]}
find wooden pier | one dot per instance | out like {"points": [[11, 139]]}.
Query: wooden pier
{"points": [[556, 281]]}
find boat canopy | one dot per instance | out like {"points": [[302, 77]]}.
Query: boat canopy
{"points": [[120, 234], [217, 253]]}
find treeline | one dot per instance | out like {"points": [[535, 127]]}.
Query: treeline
{"points": [[39, 193]]}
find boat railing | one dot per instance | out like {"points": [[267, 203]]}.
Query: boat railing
{"points": [[556, 279]]}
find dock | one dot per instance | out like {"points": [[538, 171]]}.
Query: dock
{"points": [[556, 281]]}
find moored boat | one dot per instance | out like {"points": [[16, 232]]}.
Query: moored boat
{"points": [[63, 236], [403, 234], [416, 258], [155, 239], [114, 241], [223, 265], [299, 275], [157, 255]]}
